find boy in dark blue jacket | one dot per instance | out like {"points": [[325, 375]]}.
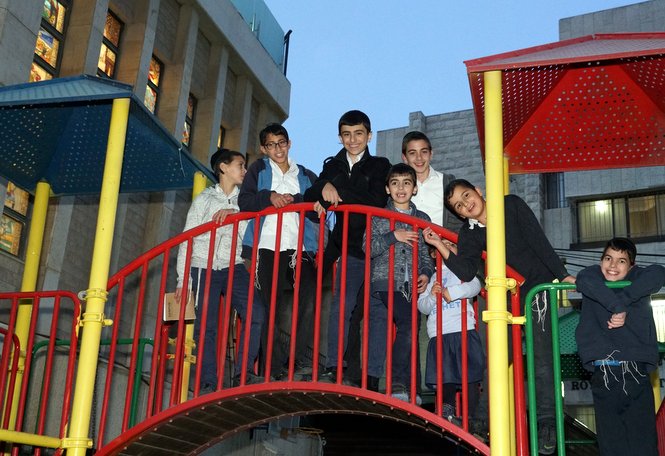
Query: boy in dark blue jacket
{"points": [[277, 181], [616, 340]]}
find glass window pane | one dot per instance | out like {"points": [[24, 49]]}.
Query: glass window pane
{"points": [[642, 213], [112, 29], [191, 106], [150, 99], [106, 61], [10, 234], [594, 220], [17, 199], [47, 47], [186, 132], [38, 73], [620, 220], [155, 72], [54, 14], [661, 214]]}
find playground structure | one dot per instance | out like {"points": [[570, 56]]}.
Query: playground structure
{"points": [[498, 85]]}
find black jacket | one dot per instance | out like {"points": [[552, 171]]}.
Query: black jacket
{"points": [[636, 339], [365, 183]]}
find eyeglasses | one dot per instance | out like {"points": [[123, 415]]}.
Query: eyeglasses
{"points": [[271, 145]]}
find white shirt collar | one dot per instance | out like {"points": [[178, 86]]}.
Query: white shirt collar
{"points": [[351, 163], [473, 223]]}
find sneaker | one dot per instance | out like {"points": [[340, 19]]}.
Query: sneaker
{"points": [[449, 413], [302, 374], [546, 438], [328, 375], [400, 392]]}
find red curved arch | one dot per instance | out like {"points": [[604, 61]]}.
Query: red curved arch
{"points": [[195, 425]]}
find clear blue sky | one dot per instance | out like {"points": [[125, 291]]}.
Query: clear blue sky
{"points": [[392, 57]]}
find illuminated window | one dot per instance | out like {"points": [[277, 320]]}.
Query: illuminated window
{"points": [[154, 78], [189, 120], [108, 54], [639, 217], [222, 136], [13, 219], [50, 36]]}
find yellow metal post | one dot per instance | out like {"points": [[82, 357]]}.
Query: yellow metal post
{"points": [[497, 315], [506, 175], [200, 182], [93, 318], [29, 283], [655, 385]]}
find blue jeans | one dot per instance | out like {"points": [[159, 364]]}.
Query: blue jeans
{"points": [[239, 301], [401, 366], [355, 277]]}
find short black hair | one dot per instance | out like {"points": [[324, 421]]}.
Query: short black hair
{"points": [[223, 156], [272, 129], [401, 169], [622, 244], [450, 190], [354, 117], [414, 136]]}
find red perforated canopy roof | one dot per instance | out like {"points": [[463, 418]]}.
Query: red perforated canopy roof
{"points": [[587, 103]]}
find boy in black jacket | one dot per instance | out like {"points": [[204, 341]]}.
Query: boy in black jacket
{"points": [[616, 340], [353, 176]]}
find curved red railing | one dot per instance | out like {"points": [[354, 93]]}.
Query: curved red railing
{"points": [[133, 389], [49, 322]]}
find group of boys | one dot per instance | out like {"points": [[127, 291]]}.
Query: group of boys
{"points": [[354, 176]]}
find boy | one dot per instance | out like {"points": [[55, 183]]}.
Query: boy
{"points": [[417, 152], [532, 255], [452, 291], [353, 176], [401, 186], [277, 181], [216, 203], [616, 339]]}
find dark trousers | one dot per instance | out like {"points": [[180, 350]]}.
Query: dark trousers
{"points": [[401, 366], [625, 416], [542, 351], [284, 310], [239, 301]]}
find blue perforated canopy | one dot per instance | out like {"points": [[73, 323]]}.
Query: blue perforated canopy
{"points": [[56, 131]]}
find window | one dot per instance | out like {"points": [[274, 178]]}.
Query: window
{"points": [[108, 54], [13, 219], [189, 121], [48, 48], [154, 79], [639, 217], [221, 137], [554, 191]]}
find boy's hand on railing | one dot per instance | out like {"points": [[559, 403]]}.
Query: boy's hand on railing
{"points": [[436, 288], [617, 320], [569, 279], [320, 210], [406, 236], [280, 200], [221, 214]]}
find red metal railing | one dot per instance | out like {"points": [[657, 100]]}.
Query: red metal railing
{"points": [[53, 317], [132, 388]]}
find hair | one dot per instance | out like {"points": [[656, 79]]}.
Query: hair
{"points": [[225, 156], [401, 169], [450, 189], [414, 136], [622, 244], [355, 117], [272, 129]]}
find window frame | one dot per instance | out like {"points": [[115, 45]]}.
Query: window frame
{"points": [[18, 217], [47, 27], [154, 87], [115, 49], [621, 223]]}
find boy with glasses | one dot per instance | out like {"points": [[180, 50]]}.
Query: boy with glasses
{"points": [[277, 181]]}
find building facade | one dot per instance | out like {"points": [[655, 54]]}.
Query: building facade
{"points": [[210, 71]]}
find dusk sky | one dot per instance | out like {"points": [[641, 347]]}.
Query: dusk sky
{"points": [[392, 57]]}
